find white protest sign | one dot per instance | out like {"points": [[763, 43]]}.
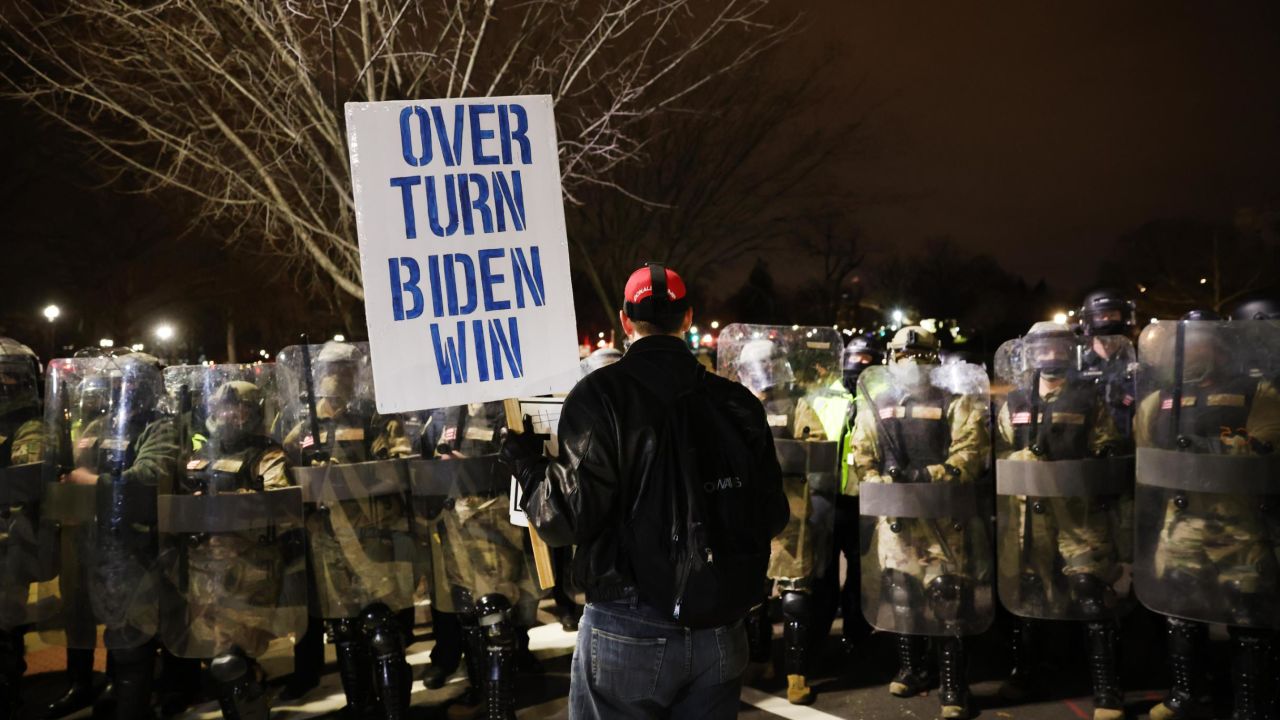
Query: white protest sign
{"points": [[463, 249]]}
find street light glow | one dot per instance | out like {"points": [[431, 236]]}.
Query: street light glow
{"points": [[1060, 318], [106, 343], [1204, 280], [715, 324], [339, 337], [51, 312], [164, 332]]}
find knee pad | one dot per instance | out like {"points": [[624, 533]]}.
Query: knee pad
{"points": [[229, 668], [903, 591], [1091, 595], [796, 604], [462, 599], [493, 608], [344, 630], [949, 596], [383, 631]]}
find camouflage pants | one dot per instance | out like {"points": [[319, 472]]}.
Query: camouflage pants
{"points": [[235, 596], [361, 553], [123, 584], [1070, 536], [801, 551], [484, 553], [1220, 539]]}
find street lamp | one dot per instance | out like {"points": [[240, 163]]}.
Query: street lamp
{"points": [[339, 338], [1060, 318], [51, 312], [164, 332]]}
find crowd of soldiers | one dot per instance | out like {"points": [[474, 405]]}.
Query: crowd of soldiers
{"points": [[190, 516]]}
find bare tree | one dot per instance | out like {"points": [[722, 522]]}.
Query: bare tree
{"points": [[719, 184], [832, 293], [239, 103]]}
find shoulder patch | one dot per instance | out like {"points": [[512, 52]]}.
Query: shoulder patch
{"points": [[1225, 400]]}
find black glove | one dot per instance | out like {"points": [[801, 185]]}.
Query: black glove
{"points": [[522, 451]]}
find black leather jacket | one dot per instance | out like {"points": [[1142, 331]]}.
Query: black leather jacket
{"points": [[607, 442]]}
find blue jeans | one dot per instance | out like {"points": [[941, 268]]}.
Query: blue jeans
{"points": [[631, 662]]}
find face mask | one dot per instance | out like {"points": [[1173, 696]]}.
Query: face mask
{"points": [[908, 373]]}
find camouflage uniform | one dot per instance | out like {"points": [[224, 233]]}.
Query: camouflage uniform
{"points": [[1065, 555], [956, 430], [1210, 556], [357, 520], [108, 573], [21, 444], [1078, 533], [919, 426]]}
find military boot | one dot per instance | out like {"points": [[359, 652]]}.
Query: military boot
{"points": [[354, 669], [1252, 677], [391, 673], [238, 680], [1104, 670], [81, 692], [953, 691], [1189, 696], [795, 614], [759, 645], [914, 676], [134, 677], [1021, 682]]}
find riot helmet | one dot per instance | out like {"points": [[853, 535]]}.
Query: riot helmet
{"points": [[599, 359], [19, 377], [1200, 345], [336, 368], [1262, 308], [1049, 349], [1106, 311], [235, 412], [859, 355], [911, 349], [763, 366]]}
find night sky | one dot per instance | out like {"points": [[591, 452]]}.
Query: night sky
{"points": [[1036, 132], [1040, 132]]}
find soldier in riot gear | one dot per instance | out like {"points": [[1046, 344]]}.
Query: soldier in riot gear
{"points": [[1261, 308], [22, 446], [1207, 523], [1107, 311], [486, 575], [1064, 477], [231, 537], [105, 506], [920, 445], [859, 354], [795, 374], [361, 552]]}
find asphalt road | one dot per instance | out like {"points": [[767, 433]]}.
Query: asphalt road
{"points": [[849, 683]]}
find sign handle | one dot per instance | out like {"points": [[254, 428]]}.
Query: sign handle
{"points": [[541, 553]]}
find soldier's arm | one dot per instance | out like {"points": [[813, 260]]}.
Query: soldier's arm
{"points": [[392, 441], [864, 448], [1004, 434], [970, 440], [1264, 417], [1105, 438], [157, 460], [28, 443], [273, 468], [1144, 420]]}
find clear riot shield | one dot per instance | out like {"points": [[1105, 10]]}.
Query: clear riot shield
{"points": [[231, 536], [464, 487], [921, 446], [113, 451], [796, 373], [1208, 474], [348, 461], [21, 560], [1064, 475]]}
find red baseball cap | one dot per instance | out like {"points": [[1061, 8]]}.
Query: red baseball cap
{"points": [[638, 300]]}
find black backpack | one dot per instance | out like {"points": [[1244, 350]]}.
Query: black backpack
{"points": [[705, 505]]}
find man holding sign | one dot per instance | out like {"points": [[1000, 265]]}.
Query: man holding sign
{"points": [[668, 484]]}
